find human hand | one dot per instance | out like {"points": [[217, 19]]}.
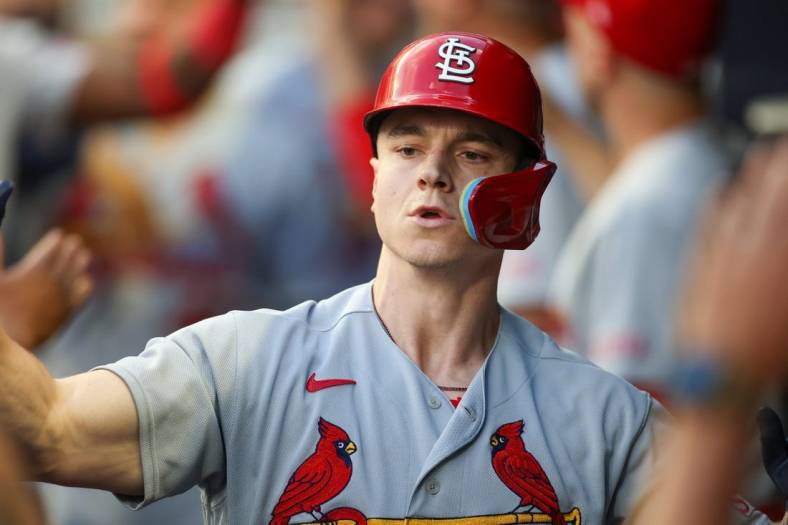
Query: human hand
{"points": [[40, 292], [737, 306]]}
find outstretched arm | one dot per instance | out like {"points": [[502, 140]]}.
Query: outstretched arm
{"points": [[736, 323], [159, 77], [80, 431]]}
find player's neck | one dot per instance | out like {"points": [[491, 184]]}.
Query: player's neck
{"points": [[635, 114], [446, 322]]}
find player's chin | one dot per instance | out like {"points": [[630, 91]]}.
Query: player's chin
{"points": [[434, 253], [431, 261]]}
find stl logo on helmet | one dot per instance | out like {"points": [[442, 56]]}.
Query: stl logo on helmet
{"points": [[454, 51]]}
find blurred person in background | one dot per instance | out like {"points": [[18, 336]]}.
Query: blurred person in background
{"points": [[534, 29], [164, 203], [733, 333], [298, 184], [617, 280], [53, 84]]}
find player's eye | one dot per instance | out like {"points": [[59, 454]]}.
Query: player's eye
{"points": [[407, 151], [473, 156]]}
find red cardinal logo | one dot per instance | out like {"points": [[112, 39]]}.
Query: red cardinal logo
{"points": [[521, 473], [319, 478]]}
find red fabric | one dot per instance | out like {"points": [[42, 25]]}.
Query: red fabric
{"points": [[354, 149], [671, 38], [775, 510], [80, 197], [207, 193], [160, 90], [211, 42], [216, 31], [619, 345], [657, 392], [345, 513]]}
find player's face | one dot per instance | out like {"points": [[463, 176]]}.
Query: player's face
{"points": [[425, 159]]}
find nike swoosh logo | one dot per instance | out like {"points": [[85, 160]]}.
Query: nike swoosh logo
{"points": [[314, 385]]}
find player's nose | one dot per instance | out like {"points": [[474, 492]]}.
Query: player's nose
{"points": [[434, 172]]}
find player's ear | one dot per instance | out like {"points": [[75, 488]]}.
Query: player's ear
{"points": [[590, 48], [374, 162]]}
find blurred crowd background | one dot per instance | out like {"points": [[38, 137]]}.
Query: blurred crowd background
{"points": [[256, 191]]}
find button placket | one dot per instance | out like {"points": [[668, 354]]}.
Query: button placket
{"points": [[434, 402]]}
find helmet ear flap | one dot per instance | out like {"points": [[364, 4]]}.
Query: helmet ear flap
{"points": [[502, 211]]}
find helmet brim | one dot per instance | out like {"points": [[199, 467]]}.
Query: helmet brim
{"points": [[374, 120]]}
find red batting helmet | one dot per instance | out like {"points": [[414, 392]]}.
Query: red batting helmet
{"points": [[480, 76], [669, 37]]}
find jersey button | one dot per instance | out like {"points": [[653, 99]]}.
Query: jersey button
{"points": [[434, 402], [433, 487], [471, 413]]}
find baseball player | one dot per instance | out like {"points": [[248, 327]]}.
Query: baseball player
{"points": [[343, 410], [735, 318], [53, 85], [618, 279]]}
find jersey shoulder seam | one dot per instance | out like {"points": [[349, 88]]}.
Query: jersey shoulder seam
{"points": [[310, 326]]}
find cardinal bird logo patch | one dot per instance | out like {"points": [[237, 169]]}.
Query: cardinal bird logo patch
{"points": [[519, 470], [325, 474], [320, 478]]}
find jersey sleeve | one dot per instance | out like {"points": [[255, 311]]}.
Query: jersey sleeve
{"points": [[641, 461], [182, 387]]}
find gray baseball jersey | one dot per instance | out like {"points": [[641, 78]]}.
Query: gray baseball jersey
{"points": [[619, 277], [290, 417]]}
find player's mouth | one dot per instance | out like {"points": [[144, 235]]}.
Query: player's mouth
{"points": [[431, 216]]}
